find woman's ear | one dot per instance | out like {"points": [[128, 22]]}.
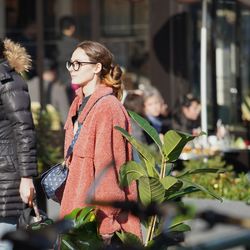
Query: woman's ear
{"points": [[98, 68]]}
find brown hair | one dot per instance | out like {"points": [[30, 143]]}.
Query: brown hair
{"points": [[110, 74]]}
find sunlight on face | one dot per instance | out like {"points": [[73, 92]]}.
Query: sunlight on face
{"points": [[153, 105], [86, 71]]}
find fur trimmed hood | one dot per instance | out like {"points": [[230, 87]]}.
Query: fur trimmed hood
{"points": [[17, 56]]}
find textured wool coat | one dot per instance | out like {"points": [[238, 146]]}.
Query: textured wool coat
{"points": [[99, 145]]}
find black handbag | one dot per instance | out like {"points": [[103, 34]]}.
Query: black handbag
{"points": [[33, 218], [54, 179]]}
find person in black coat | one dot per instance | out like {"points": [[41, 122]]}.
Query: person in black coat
{"points": [[18, 161]]}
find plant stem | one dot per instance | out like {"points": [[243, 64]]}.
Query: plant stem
{"points": [[153, 219], [163, 167], [150, 232]]}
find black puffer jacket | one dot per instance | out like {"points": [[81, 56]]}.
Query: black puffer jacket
{"points": [[17, 139]]}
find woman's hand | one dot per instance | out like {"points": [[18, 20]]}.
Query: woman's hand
{"points": [[25, 188]]}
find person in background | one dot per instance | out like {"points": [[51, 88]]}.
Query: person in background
{"points": [[54, 91], [186, 117], [18, 160], [156, 112], [100, 148], [134, 102], [28, 40], [65, 47]]}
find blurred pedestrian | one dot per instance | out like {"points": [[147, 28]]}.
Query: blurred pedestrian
{"points": [[17, 137], [156, 112], [65, 47], [28, 40], [54, 91], [186, 117], [134, 102]]}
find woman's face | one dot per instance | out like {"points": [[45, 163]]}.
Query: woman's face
{"points": [[86, 71], [192, 112], [153, 105]]}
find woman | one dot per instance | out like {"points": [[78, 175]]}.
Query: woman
{"points": [[17, 137], [99, 145], [187, 116], [156, 112]]}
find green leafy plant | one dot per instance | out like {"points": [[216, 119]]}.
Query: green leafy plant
{"points": [[84, 234], [156, 182], [226, 182]]}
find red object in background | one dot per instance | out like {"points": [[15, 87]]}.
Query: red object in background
{"points": [[247, 142]]}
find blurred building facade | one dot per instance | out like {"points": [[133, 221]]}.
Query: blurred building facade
{"points": [[158, 41]]}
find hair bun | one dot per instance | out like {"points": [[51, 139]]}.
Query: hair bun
{"points": [[116, 72]]}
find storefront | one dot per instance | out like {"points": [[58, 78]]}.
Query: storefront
{"points": [[159, 41]]}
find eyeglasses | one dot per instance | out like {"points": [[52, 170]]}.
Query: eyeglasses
{"points": [[76, 65]]}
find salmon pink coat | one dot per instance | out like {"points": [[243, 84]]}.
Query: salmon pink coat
{"points": [[99, 144]]}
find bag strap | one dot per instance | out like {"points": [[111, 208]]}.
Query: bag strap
{"points": [[72, 144]]}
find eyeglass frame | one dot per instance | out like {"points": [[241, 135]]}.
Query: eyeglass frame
{"points": [[78, 63]]}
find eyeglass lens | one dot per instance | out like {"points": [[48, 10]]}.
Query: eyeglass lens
{"points": [[76, 65]]}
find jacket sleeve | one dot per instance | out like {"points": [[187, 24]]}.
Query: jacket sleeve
{"points": [[16, 103], [111, 151]]}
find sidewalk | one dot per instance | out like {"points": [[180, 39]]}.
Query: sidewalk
{"points": [[199, 233]]}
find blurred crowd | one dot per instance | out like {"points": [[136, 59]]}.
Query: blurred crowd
{"points": [[57, 87], [140, 97], [147, 101]]}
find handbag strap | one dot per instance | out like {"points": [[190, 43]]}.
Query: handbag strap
{"points": [[72, 144]]}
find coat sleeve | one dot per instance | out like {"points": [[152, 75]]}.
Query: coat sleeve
{"points": [[16, 102], [111, 151]]}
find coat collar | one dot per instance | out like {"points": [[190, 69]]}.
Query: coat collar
{"points": [[102, 90], [5, 70]]}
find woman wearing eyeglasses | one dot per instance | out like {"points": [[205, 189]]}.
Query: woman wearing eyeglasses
{"points": [[100, 150]]}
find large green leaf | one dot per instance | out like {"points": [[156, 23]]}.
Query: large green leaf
{"points": [[84, 234], [157, 190], [180, 193], [201, 188], [150, 190], [84, 216], [73, 214], [168, 182], [81, 216], [179, 227], [131, 171], [144, 124], [146, 154], [85, 237], [174, 142], [200, 171], [129, 239], [144, 190], [175, 188]]}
